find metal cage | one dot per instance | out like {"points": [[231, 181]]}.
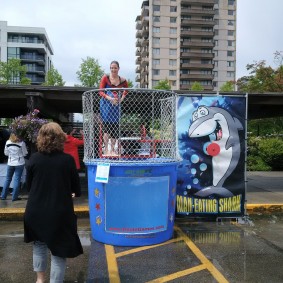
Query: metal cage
{"points": [[137, 125]]}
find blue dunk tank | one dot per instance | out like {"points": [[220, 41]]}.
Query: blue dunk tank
{"points": [[131, 156]]}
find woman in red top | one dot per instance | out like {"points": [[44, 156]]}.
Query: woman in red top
{"points": [[110, 110], [71, 145]]}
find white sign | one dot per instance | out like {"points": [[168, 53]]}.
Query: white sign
{"points": [[102, 173]]}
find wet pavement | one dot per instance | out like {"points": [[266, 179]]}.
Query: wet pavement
{"points": [[200, 251], [247, 250]]}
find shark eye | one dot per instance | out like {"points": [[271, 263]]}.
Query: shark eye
{"points": [[202, 111], [195, 115]]}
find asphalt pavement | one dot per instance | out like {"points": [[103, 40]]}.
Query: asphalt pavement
{"points": [[264, 193]]}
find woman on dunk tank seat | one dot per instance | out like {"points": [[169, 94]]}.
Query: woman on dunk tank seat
{"points": [[110, 106]]}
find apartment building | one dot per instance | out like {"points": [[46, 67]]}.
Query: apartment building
{"points": [[31, 45], [186, 41]]}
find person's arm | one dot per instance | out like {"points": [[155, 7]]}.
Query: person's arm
{"points": [[125, 85]]}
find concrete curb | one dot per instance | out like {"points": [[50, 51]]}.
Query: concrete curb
{"points": [[83, 211]]}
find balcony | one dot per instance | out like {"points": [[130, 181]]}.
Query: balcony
{"points": [[138, 69], [145, 33], [33, 58], [197, 33], [144, 62], [145, 21], [137, 79], [145, 42], [138, 43], [36, 69], [197, 22], [197, 44], [138, 60], [197, 77], [196, 66], [138, 34], [198, 12], [198, 2], [138, 52], [188, 87], [197, 55]]}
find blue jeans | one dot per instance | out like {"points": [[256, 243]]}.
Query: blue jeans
{"points": [[58, 264], [11, 170]]}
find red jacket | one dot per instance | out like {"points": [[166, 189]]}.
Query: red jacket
{"points": [[71, 147]]}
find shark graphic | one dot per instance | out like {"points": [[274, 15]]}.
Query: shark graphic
{"points": [[224, 145]]}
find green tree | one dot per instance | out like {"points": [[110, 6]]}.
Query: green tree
{"points": [[12, 72], [130, 83], [263, 78], [228, 86], [90, 72], [196, 86], [163, 84], [53, 78]]}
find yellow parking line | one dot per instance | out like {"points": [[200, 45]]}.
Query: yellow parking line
{"points": [[136, 250], [178, 274], [113, 271], [211, 268]]}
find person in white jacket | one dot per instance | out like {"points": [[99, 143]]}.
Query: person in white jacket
{"points": [[16, 150]]}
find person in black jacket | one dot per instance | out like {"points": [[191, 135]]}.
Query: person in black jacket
{"points": [[49, 220]]}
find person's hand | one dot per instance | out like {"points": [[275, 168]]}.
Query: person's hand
{"points": [[114, 100]]}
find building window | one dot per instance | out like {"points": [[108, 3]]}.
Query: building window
{"points": [[205, 61], [216, 42], [215, 63], [215, 52], [156, 19], [156, 8], [156, 51], [206, 39], [187, 39], [173, 30], [207, 8], [215, 84], [206, 29], [185, 61], [231, 12], [230, 74], [173, 20], [231, 2], [185, 72], [172, 83], [172, 72], [172, 62], [230, 32], [173, 9], [156, 72], [156, 62], [13, 52], [205, 72], [230, 53], [231, 43], [172, 51], [215, 73], [230, 64], [207, 18], [231, 23], [206, 50], [156, 40], [185, 50], [156, 29], [173, 41]]}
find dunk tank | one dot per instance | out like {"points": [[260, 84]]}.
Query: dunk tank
{"points": [[130, 152]]}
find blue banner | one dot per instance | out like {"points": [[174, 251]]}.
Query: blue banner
{"points": [[211, 141]]}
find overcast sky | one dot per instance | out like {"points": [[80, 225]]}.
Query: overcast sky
{"points": [[106, 31]]}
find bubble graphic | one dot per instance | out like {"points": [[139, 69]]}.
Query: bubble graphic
{"points": [[203, 167], [185, 193], [194, 158], [189, 187], [193, 171], [195, 181]]}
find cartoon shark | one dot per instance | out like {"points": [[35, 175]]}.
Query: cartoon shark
{"points": [[224, 145]]}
